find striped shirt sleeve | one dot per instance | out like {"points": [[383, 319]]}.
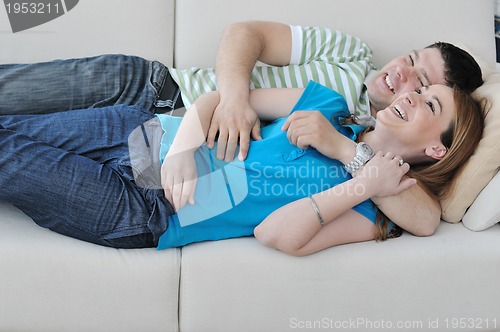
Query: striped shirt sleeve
{"points": [[329, 57]]}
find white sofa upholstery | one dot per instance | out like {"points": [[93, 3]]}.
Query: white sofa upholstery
{"points": [[49, 282]]}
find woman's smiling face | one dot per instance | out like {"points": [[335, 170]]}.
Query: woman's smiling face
{"points": [[417, 119]]}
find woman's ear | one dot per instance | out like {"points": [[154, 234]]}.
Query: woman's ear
{"points": [[436, 151]]}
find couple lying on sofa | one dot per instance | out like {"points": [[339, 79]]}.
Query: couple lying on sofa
{"points": [[72, 171]]}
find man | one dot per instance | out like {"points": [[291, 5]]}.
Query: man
{"points": [[339, 61]]}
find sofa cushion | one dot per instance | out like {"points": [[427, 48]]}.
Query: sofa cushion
{"points": [[53, 283], [483, 165], [239, 285]]}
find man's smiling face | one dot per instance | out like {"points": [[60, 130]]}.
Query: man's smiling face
{"points": [[405, 74]]}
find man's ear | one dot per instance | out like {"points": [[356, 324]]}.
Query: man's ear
{"points": [[436, 151]]}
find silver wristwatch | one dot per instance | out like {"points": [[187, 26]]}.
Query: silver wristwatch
{"points": [[363, 154]]}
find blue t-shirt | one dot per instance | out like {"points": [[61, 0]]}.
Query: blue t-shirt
{"points": [[231, 199]]}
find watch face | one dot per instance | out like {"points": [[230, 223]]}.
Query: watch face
{"points": [[365, 150]]}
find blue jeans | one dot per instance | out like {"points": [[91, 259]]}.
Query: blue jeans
{"points": [[70, 172], [63, 85]]}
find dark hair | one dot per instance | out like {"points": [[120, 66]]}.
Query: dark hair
{"points": [[460, 68]]}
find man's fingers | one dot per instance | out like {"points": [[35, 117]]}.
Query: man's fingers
{"points": [[221, 144], [231, 146], [256, 131], [230, 135], [244, 146], [212, 132]]}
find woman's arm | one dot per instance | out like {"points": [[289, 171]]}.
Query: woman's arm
{"points": [[178, 170], [310, 236], [413, 210], [272, 103], [193, 129], [295, 228]]}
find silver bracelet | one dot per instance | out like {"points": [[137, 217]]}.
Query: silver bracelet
{"points": [[316, 209]]}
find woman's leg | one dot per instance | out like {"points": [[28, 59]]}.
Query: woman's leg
{"points": [[80, 83], [96, 199]]}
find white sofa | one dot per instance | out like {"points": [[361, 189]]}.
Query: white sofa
{"points": [[48, 282]]}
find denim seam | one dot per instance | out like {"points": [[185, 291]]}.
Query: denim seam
{"points": [[159, 78]]}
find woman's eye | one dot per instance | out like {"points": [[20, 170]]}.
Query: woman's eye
{"points": [[431, 106], [419, 91]]}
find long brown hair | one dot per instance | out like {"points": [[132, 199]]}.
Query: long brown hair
{"points": [[461, 139]]}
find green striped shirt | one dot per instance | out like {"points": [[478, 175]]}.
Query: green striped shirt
{"points": [[332, 58]]}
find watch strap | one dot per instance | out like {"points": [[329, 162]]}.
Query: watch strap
{"points": [[357, 161], [354, 164]]}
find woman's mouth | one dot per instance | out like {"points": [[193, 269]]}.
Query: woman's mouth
{"points": [[398, 111]]}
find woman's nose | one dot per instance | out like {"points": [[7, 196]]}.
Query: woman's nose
{"points": [[411, 98]]}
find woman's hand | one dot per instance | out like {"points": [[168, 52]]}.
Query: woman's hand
{"points": [[311, 128], [383, 174], [178, 178]]}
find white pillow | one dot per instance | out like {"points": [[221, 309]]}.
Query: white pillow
{"points": [[485, 211]]}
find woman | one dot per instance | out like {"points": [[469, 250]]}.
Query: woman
{"points": [[71, 172]]}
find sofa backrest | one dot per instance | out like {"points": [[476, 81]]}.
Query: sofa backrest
{"points": [[153, 28], [391, 27], [93, 27]]}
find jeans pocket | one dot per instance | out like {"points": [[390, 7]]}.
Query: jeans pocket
{"points": [[158, 74], [144, 152]]}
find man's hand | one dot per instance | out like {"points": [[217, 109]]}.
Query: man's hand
{"points": [[235, 124], [241, 46]]}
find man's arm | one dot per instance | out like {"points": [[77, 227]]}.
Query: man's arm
{"points": [[413, 210], [241, 46]]}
